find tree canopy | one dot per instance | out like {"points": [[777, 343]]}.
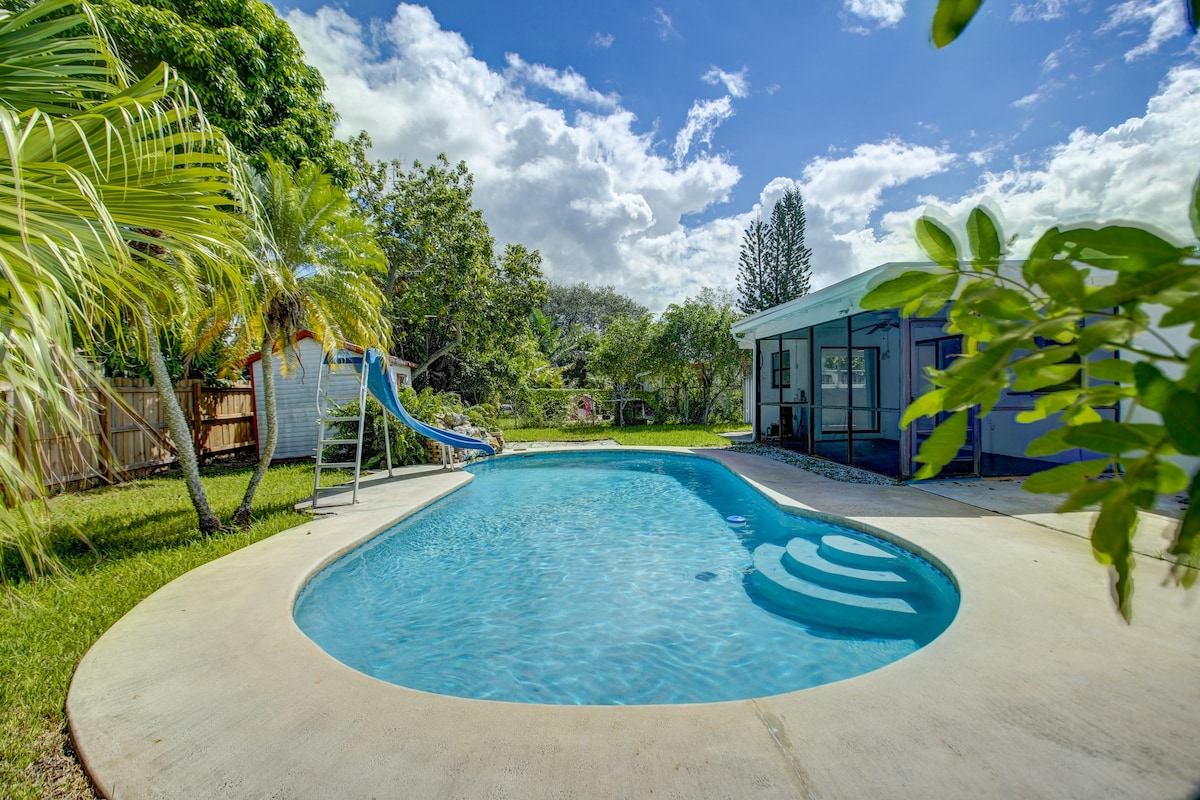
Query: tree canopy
{"points": [[588, 307], [245, 66]]}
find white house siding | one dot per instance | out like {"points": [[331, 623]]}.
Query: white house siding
{"points": [[296, 399]]}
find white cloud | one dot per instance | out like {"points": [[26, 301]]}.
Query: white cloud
{"points": [[666, 28], [849, 188], [735, 82], [1166, 19], [1139, 171], [593, 191], [568, 83], [884, 13], [702, 120], [603, 39], [1040, 11]]}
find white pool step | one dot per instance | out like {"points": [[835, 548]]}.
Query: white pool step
{"points": [[815, 603], [802, 557], [856, 553]]}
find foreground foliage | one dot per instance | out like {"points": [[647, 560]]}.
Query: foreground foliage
{"points": [[144, 536], [1027, 333], [1035, 329]]}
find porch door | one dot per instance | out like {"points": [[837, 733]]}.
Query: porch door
{"points": [[938, 353]]}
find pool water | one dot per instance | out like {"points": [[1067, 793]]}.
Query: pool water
{"points": [[592, 579]]}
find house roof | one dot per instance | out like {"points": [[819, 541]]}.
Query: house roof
{"points": [[833, 302], [307, 334]]}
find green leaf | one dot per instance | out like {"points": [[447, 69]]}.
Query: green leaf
{"points": [[973, 375], [1095, 335], [951, 19], [1182, 419], [1194, 209], [900, 290], [976, 327], [1117, 247], [1062, 281], [942, 445], [1049, 404], [1172, 478], [1112, 538], [1091, 492], [1111, 437], [1154, 388], [1065, 478], [984, 240], [936, 242], [1186, 544], [938, 295], [1047, 444], [1111, 369], [1187, 311], [1045, 376], [1141, 285], [1003, 303], [927, 405]]}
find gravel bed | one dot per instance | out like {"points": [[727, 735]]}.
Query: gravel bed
{"points": [[821, 466]]}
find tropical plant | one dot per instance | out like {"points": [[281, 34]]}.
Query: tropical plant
{"points": [[318, 270], [1035, 328], [115, 189], [1026, 330]]}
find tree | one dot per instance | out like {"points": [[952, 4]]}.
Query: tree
{"points": [[246, 67], [318, 270], [773, 265], [694, 340], [447, 292], [788, 261], [587, 306], [752, 268], [117, 195], [623, 354]]}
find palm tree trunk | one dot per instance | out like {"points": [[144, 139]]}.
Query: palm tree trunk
{"points": [[242, 515], [177, 427]]}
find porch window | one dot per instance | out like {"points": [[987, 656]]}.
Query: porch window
{"points": [[854, 382], [781, 370]]}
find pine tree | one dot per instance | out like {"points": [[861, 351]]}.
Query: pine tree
{"points": [[789, 264], [752, 268], [773, 265]]}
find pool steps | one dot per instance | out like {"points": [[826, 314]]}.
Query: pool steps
{"points": [[840, 582]]}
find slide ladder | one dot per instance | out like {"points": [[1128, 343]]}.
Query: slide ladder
{"points": [[374, 379], [328, 404]]}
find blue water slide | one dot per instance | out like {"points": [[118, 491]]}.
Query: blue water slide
{"points": [[383, 388]]}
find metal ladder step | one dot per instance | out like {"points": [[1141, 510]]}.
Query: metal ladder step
{"points": [[324, 442], [335, 465]]}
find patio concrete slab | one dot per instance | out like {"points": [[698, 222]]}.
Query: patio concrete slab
{"points": [[1038, 689]]}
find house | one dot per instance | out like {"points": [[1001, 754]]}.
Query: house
{"points": [[296, 395], [833, 380]]}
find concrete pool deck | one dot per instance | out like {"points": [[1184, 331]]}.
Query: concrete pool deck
{"points": [[1037, 690]]}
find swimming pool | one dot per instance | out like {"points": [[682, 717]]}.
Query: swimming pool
{"points": [[616, 578]]}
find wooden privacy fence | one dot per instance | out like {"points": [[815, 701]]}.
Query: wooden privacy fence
{"points": [[135, 432]]}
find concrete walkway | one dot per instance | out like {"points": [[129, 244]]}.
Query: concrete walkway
{"points": [[1037, 690]]}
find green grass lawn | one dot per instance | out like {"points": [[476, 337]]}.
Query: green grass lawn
{"points": [[645, 435], [144, 536]]}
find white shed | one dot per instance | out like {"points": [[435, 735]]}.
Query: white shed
{"points": [[296, 396]]}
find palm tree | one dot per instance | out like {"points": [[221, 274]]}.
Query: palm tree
{"points": [[317, 270], [115, 198]]}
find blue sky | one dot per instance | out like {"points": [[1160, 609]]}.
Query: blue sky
{"points": [[632, 144]]}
